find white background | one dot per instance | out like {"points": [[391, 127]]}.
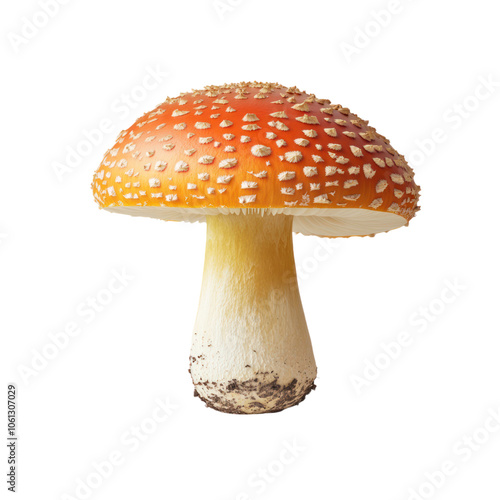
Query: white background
{"points": [[418, 76]]}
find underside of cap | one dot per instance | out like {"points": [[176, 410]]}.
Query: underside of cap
{"points": [[339, 222]]}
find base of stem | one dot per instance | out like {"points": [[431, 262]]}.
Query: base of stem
{"points": [[251, 351], [278, 397]]}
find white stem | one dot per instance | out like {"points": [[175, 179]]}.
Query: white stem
{"points": [[251, 350]]}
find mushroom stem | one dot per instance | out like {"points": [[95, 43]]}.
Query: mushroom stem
{"points": [[251, 350]]}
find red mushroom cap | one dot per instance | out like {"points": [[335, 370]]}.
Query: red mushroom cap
{"points": [[258, 147]]}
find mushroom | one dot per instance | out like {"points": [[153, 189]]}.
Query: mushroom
{"points": [[256, 162]]}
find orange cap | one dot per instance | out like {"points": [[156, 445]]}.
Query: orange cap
{"points": [[258, 147]]}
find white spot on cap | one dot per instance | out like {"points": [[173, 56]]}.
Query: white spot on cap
{"points": [[303, 106], [310, 133], [181, 166], [203, 176], [301, 142], [251, 126], [349, 183], [289, 191], [191, 186], [367, 136], [351, 197], [225, 123], [160, 166], [381, 185], [224, 179], [111, 191], [293, 156], [154, 182], [397, 179], [342, 160], [286, 176], [356, 151], [249, 185], [228, 163], [206, 159], [309, 119], [205, 140], [368, 171], [281, 126], [171, 197], [376, 203], [261, 175], [322, 198], [260, 150], [250, 117], [250, 198], [310, 171], [201, 125], [279, 114]]}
